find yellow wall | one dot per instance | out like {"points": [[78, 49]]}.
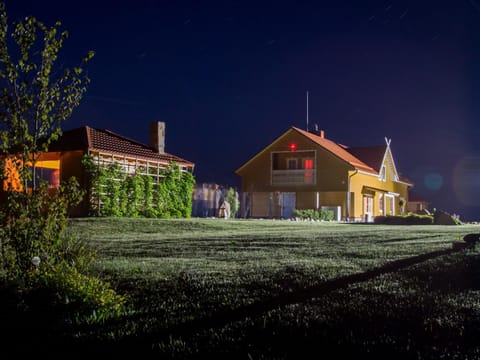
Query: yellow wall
{"points": [[362, 184], [330, 170]]}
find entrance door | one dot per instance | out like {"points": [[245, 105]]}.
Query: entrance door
{"points": [[288, 204], [368, 207]]}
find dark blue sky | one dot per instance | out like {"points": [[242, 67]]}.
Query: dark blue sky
{"points": [[229, 77]]}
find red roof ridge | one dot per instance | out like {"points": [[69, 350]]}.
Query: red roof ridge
{"points": [[338, 150], [147, 151], [124, 137]]}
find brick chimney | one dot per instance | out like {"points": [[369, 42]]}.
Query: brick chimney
{"points": [[157, 136], [322, 133]]}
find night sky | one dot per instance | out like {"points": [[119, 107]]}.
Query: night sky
{"points": [[229, 77]]}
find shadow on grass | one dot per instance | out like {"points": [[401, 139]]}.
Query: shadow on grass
{"points": [[223, 318], [142, 342]]}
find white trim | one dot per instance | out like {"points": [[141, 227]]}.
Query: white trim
{"points": [[367, 173], [376, 175], [391, 199], [392, 194], [396, 178], [382, 175]]}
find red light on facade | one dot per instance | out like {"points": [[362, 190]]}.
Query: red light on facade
{"points": [[293, 147]]}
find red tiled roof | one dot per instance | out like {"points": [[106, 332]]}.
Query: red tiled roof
{"points": [[371, 155], [338, 150], [88, 138]]}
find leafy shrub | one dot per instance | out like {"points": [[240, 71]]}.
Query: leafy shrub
{"points": [[46, 263], [408, 219], [34, 225], [232, 198], [312, 214], [85, 295]]}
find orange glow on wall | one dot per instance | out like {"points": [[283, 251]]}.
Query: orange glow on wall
{"points": [[12, 180], [55, 178], [48, 164]]}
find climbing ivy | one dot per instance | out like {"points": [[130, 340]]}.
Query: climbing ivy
{"points": [[114, 193], [147, 208], [232, 198]]}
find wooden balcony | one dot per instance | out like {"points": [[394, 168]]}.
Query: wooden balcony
{"points": [[294, 177]]}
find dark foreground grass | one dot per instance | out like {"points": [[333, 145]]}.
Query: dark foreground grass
{"points": [[278, 289]]}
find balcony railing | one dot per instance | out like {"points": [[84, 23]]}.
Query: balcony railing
{"points": [[294, 177]]}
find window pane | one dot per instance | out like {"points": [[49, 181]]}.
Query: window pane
{"points": [[308, 163]]}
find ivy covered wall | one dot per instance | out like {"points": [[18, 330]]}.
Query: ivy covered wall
{"points": [[112, 192]]}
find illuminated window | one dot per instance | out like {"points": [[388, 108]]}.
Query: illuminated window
{"points": [[308, 166], [49, 171]]}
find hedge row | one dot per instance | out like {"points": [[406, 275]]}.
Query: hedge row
{"points": [[409, 219]]}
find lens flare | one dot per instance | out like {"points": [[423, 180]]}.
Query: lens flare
{"points": [[433, 181]]}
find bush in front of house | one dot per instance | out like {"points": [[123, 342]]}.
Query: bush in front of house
{"points": [[312, 214], [407, 219]]}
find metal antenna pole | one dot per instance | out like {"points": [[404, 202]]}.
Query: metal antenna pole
{"points": [[307, 110]]}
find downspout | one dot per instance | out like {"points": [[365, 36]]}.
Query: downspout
{"points": [[347, 212]]}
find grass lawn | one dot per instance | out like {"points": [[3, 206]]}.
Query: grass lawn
{"points": [[279, 289]]}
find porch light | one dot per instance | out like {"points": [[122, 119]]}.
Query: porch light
{"points": [[292, 147]]}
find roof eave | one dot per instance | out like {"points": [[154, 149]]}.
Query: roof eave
{"points": [[146, 158]]}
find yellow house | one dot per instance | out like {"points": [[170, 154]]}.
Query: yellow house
{"points": [[303, 170]]}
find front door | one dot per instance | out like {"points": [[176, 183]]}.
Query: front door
{"points": [[288, 204], [368, 207]]}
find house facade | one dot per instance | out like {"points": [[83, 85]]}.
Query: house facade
{"points": [[64, 158], [305, 170]]}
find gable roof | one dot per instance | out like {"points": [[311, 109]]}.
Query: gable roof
{"points": [[339, 151], [368, 159], [334, 148], [371, 155], [91, 139]]}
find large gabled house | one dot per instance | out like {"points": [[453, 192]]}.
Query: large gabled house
{"points": [[305, 170], [64, 158]]}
